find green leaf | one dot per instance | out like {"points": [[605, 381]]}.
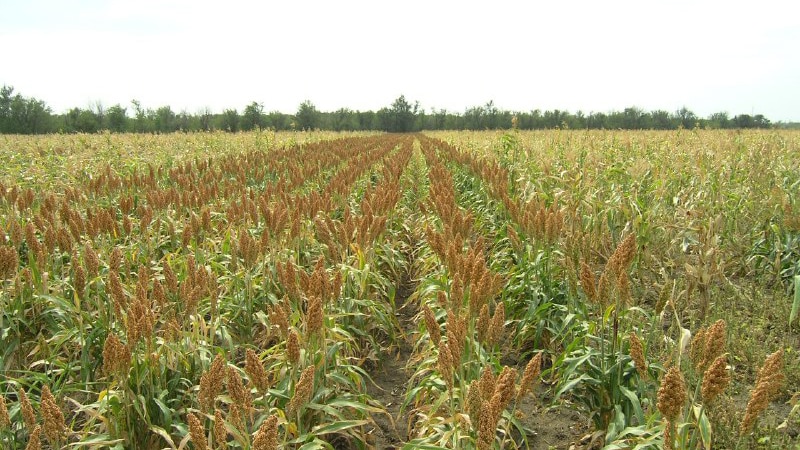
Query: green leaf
{"points": [[165, 410], [634, 399], [339, 426], [102, 440], [164, 434], [703, 425], [796, 303], [342, 403], [414, 446], [314, 445], [568, 386]]}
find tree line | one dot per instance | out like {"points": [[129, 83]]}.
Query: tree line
{"points": [[28, 115]]}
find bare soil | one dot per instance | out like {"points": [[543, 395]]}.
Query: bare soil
{"points": [[555, 427], [390, 379]]}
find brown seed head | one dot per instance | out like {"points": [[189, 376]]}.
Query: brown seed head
{"points": [[50, 239], [668, 444], [211, 383], [496, 328], [256, 372], [506, 385], [624, 288], [293, 347], [141, 312], [240, 395], [116, 356], [78, 278], [132, 330], [302, 391], [267, 436], [432, 325], [698, 345], [623, 256], [456, 338], [603, 290], [220, 432], [483, 323], [15, 234], [671, 394], [588, 282], [30, 238], [117, 294], [27, 410], [159, 296], [474, 402], [444, 364], [715, 379], [5, 421], [487, 428], [457, 294], [314, 316], [9, 261], [64, 239], [715, 343], [110, 354], [637, 354], [278, 317], [235, 417], [115, 260], [197, 432], [142, 283], [768, 384], [170, 278], [54, 426], [34, 439], [91, 260], [530, 375]]}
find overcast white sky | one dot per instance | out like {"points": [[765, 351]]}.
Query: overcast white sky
{"points": [[739, 57]]}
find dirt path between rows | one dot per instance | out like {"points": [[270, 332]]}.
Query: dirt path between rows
{"points": [[390, 378]]}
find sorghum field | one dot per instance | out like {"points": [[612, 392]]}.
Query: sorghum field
{"points": [[558, 289]]}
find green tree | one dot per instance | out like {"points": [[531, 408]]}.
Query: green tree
{"points": [[491, 114], [344, 119], [686, 118], [403, 115], [632, 118], [117, 118], [597, 121], [37, 114], [439, 119], [6, 97], [473, 118], [744, 121], [142, 120], [661, 120], [718, 120], [205, 116], [100, 112], [761, 121], [366, 120], [253, 117], [185, 122], [230, 120], [307, 117], [86, 121], [22, 115], [279, 121], [165, 120]]}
